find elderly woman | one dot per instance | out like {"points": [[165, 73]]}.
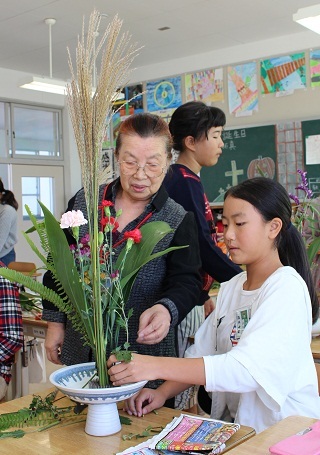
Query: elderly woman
{"points": [[167, 288]]}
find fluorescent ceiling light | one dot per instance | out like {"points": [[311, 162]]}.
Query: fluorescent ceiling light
{"points": [[49, 85], [45, 84], [309, 17]]}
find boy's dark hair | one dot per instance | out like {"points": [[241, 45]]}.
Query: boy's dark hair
{"points": [[194, 119]]}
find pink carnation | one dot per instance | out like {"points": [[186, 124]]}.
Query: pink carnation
{"points": [[73, 218]]}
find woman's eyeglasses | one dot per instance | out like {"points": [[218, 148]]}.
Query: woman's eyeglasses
{"points": [[132, 167]]}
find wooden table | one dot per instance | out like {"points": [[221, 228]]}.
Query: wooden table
{"points": [[315, 347], [259, 445], [73, 439]]}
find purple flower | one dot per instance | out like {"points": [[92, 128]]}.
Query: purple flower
{"points": [[294, 198], [303, 185]]}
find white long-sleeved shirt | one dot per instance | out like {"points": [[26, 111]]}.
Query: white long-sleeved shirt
{"points": [[257, 343]]}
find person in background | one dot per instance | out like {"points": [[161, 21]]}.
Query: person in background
{"points": [[11, 331], [197, 135], [8, 225], [256, 343], [166, 288]]}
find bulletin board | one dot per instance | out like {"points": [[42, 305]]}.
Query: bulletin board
{"points": [[244, 150]]}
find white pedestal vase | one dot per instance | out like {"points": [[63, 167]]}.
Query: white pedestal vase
{"points": [[103, 417]]}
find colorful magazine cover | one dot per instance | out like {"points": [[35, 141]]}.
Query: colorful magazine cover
{"points": [[191, 434]]}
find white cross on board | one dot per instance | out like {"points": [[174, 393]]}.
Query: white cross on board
{"points": [[234, 173]]}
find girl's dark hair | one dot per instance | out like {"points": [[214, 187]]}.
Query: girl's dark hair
{"points": [[194, 119], [271, 200], [145, 125], [7, 197]]}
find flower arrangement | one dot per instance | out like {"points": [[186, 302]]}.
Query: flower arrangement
{"points": [[92, 286], [98, 320], [305, 212]]}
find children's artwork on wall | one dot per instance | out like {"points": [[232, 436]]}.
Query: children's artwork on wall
{"points": [[132, 101], [164, 94], [283, 74], [108, 171], [242, 89], [315, 67], [206, 86], [166, 114]]}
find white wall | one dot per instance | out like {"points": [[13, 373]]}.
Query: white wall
{"points": [[302, 105], [10, 91]]}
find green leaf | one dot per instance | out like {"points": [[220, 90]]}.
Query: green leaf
{"points": [[123, 356], [125, 420], [66, 270], [313, 249], [140, 253]]}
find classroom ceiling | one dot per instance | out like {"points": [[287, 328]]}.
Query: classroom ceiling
{"points": [[196, 26]]}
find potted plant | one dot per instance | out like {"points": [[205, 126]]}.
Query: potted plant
{"points": [[94, 288]]}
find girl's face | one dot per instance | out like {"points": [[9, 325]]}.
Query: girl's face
{"points": [[137, 151], [249, 238], [208, 151]]}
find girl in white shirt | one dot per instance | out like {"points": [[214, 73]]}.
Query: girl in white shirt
{"points": [[253, 352]]}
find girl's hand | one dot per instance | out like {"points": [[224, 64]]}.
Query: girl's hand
{"points": [[144, 402], [140, 368]]}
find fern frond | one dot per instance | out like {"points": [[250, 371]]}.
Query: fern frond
{"points": [[35, 248]]}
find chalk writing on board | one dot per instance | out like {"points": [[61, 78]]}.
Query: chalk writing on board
{"points": [[314, 185]]}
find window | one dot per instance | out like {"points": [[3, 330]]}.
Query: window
{"points": [[34, 189], [35, 132], [4, 129]]}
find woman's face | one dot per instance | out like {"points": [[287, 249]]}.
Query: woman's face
{"points": [[141, 183]]}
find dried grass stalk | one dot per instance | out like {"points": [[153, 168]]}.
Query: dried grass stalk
{"points": [[90, 115]]}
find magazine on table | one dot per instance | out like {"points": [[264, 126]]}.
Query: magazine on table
{"points": [[188, 434]]}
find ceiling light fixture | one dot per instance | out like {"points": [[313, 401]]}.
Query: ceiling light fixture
{"points": [[309, 17], [46, 84]]}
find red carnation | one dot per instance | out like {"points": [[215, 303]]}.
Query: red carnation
{"points": [[107, 203], [111, 222], [135, 235]]}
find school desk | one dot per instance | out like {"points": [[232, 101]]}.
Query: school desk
{"points": [[259, 445], [73, 439], [19, 386], [315, 347]]}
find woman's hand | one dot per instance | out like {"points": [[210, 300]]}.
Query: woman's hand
{"points": [[154, 324], [140, 368], [144, 402], [54, 341]]}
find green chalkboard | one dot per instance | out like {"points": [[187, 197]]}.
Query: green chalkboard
{"points": [[244, 149], [312, 128]]}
